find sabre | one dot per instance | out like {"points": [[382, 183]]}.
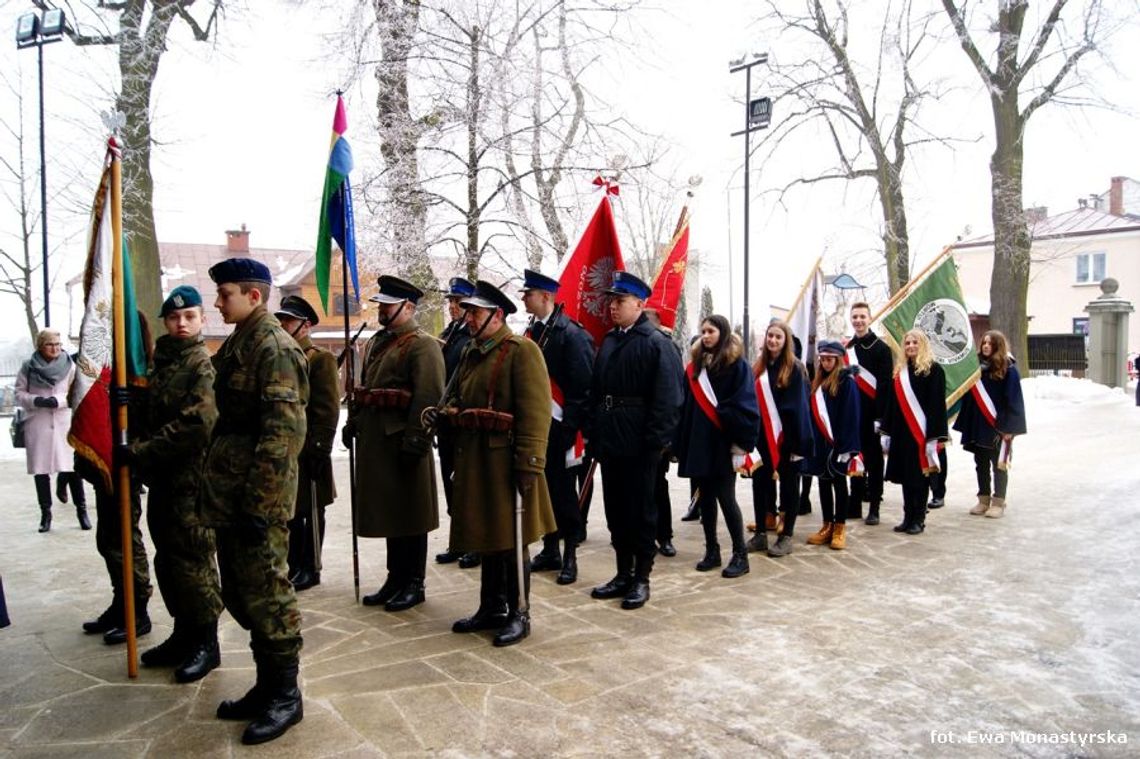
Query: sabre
{"points": [[314, 517]]}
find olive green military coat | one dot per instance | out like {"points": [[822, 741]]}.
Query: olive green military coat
{"points": [[483, 509], [395, 471], [261, 389], [322, 414]]}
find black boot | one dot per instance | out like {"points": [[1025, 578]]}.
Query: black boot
{"points": [[81, 515], [622, 581], [408, 596], [386, 593], [737, 566], [45, 517], [639, 592], [111, 618], [448, 557], [493, 607], [547, 558], [282, 708], [758, 543], [170, 652], [694, 512], [253, 702], [711, 559], [469, 560], [305, 578], [203, 657], [516, 628], [118, 634], [872, 514], [518, 621], [569, 573]]}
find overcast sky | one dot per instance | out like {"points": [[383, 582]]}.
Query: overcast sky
{"points": [[244, 125]]}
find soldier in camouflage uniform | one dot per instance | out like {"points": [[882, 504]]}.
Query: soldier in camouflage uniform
{"points": [[402, 375], [177, 416], [315, 486], [249, 488]]}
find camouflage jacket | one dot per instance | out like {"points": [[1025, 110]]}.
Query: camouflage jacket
{"points": [[173, 421], [262, 386]]}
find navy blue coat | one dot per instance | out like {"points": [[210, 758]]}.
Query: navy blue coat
{"points": [[453, 350], [795, 416], [635, 395], [569, 353], [930, 390], [843, 411], [702, 449], [977, 433]]}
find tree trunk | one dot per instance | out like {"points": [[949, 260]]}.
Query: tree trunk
{"points": [[473, 115], [896, 241], [1009, 284]]}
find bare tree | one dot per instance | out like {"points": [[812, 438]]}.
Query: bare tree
{"points": [[1015, 72], [864, 105], [140, 29]]}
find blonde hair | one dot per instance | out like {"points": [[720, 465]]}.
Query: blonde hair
{"points": [[45, 336], [925, 357]]}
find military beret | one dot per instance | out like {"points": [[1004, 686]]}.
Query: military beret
{"points": [[394, 290], [488, 296], [829, 348], [458, 287], [533, 280], [183, 296], [296, 307], [625, 283], [240, 270]]}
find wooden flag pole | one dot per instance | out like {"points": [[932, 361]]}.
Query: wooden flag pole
{"points": [[118, 396], [799, 298]]}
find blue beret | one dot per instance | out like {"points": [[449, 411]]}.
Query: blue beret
{"points": [[829, 348], [240, 270], [533, 280], [458, 287], [394, 290], [488, 296], [183, 296], [296, 307], [627, 284]]}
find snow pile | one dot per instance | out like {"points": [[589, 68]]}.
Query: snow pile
{"points": [[1071, 390]]}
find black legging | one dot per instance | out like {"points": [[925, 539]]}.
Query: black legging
{"points": [[764, 494], [833, 499], [721, 488], [985, 461]]}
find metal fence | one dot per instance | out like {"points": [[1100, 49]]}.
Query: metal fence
{"points": [[1058, 354]]}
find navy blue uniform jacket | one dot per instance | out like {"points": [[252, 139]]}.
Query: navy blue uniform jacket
{"points": [[795, 416], [702, 449], [843, 410], [569, 354], [1006, 395]]}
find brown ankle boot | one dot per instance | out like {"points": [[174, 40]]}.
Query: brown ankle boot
{"points": [[821, 537], [981, 506], [839, 537], [996, 509]]}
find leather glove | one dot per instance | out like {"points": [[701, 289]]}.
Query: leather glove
{"points": [[525, 481], [251, 529], [885, 442], [932, 453], [347, 433], [48, 401], [429, 417]]}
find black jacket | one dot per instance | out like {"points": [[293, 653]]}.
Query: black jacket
{"points": [[453, 348], [702, 448], [569, 353], [876, 356], [635, 395]]}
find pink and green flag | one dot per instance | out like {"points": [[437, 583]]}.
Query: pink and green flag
{"points": [[336, 210]]}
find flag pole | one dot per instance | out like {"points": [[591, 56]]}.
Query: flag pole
{"points": [[911, 284], [799, 298], [349, 388], [119, 405]]}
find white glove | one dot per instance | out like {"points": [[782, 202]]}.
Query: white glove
{"points": [[843, 458], [885, 442], [794, 457], [878, 426], [932, 453], [737, 462]]}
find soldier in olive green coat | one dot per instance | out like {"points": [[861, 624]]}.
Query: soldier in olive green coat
{"points": [[315, 475], [499, 411], [249, 487], [177, 417], [402, 375]]}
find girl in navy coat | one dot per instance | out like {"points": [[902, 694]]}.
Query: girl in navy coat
{"points": [[914, 422], [785, 435], [992, 413], [720, 422], [834, 406]]}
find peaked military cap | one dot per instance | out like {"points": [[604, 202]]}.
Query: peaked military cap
{"points": [[488, 296], [625, 283], [829, 348], [296, 307], [458, 287], [240, 270], [394, 290], [183, 296], [533, 280]]}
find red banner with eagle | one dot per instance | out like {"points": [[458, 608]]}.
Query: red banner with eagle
{"points": [[589, 269]]}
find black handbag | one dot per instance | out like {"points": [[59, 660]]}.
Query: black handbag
{"points": [[19, 418]]}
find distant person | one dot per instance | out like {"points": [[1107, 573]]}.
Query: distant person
{"points": [[41, 390], [992, 413]]}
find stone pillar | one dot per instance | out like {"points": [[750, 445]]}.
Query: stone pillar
{"points": [[1108, 336]]}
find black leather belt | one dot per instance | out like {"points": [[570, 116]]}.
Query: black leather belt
{"points": [[617, 401]]}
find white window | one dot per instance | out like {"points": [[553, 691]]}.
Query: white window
{"points": [[1090, 267]]}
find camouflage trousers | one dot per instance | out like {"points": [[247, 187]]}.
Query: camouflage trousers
{"points": [[108, 541], [183, 563], [257, 592]]}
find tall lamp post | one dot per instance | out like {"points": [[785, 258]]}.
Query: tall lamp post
{"points": [[35, 30], [757, 116]]}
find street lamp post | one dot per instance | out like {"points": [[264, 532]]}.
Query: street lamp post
{"points": [[757, 115], [34, 30]]}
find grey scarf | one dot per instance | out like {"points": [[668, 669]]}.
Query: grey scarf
{"points": [[46, 374]]}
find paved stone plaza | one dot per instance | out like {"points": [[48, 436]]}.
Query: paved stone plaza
{"points": [[976, 630]]}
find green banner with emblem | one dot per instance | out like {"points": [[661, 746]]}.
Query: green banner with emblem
{"points": [[933, 303]]}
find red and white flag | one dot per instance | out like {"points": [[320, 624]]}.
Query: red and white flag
{"points": [[588, 272], [670, 282]]}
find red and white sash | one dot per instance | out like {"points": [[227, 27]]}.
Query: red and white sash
{"points": [[704, 395], [864, 380], [855, 466], [576, 451], [915, 417], [770, 419], [820, 415], [985, 402]]}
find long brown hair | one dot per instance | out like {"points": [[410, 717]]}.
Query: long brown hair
{"points": [[786, 360], [829, 381], [723, 353], [999, 355]]}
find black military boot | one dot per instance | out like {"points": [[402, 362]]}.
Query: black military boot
{"points": [[111, 618], [569, 573], [253, 702], [448, 557], [917, 520], [622, 581], [203, 657], [469, 560], [493, 607], [170, 652], [117, 635], [305, 578], [738, 566], [281, 709], [872, 514], [711, 559], [548, 558], [412, 594], [638, 593], [385, 594], [518, 620], [45, 517]]}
